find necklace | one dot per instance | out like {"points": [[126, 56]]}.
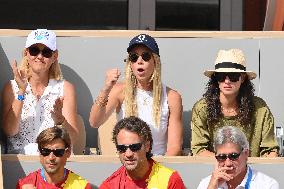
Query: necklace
{"points": [[145, 100], [228, 111]]}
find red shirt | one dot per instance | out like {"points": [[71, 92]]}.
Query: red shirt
{"points": [[71, 180], [120, 180]]}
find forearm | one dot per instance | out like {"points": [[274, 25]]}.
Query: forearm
{"points": [[272, 154], [206, 153], [12, 118], [71, 130], [174, 151], [98, 111]]}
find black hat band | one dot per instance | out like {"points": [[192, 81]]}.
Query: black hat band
{"points": [[230, 65]]}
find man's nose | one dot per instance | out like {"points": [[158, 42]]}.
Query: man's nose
{"points": [[128, 152]]}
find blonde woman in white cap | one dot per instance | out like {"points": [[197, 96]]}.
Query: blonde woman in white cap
{"points": [[229, 100], [38, 97]]}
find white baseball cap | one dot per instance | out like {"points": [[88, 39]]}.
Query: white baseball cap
{"points": [[43, 36]]}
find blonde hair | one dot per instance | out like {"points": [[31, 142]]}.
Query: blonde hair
{"points": [[54, 70], [130, 90]]}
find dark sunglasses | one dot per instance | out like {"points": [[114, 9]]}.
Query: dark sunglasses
{"points": [[121, 148], [133, 57], [233, 76], [231, 156], [46, 52], [56, 152]]}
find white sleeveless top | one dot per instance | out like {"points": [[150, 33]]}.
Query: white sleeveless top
{"points": [[144, 107], [35, 116]]}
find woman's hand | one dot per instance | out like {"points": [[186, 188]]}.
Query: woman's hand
{"points": [[20, 78], [56, 113], [111, 79]]}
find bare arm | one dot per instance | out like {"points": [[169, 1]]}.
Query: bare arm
{"points": [[11, 111], [69, 111], [278, 21], [175, 127], [206, 153], [107, 100], [12, 108]]}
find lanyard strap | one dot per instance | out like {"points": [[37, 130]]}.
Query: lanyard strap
{"points": [[43, 175], [248, 179]]}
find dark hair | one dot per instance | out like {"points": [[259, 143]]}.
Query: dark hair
{"points": [[244, 99], [52, 133], [135, 125]]}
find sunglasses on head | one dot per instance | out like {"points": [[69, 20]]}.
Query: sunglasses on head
{"points": [[121, 148], [233, 76], [223, 157], [133, 57], [56, 152], [46, 52]]}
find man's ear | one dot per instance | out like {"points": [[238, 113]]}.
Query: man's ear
{"points": [[68, 152], [147, 146]]}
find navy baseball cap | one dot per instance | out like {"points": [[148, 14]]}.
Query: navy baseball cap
{"points": [[144, 39]]}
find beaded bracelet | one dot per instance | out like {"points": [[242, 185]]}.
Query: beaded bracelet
{"points": [[101, 101]]}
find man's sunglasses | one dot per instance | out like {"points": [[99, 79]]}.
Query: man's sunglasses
{"points": [[231, 156], [133, 57], [56, 152], [233, 76], [46, 52], [121, 148]]}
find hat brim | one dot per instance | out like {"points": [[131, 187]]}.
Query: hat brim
{"points": [[251, 75], [142, 44]]}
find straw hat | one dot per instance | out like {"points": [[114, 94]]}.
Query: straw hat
{"points": [[232, 60]]}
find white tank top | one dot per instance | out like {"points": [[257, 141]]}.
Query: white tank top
{"points": [[35, 116], [144, 106]]}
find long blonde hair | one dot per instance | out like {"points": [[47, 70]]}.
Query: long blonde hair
{"points": [[130, 90], [54, 70]]}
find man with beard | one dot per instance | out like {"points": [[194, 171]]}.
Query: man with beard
{"points": [[231, 171], [54, 146], [133, 140]]}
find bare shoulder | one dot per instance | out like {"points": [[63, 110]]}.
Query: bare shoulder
{"points": [[173, 95], [68, 86]]}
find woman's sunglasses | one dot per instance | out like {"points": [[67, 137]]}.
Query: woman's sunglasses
{"points": [[121, 148], [233, 76], [46, 52], [56, 152], [231, 156], [133, 57]]}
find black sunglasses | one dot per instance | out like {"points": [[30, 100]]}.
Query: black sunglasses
{"points": [[56, 152], [46, 52], [121, 148], [231, 156], [133, 57], [233, 76]]}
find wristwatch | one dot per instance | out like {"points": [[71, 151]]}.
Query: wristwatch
{"points": [[21, 97]]}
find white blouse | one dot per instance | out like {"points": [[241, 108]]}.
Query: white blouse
{"points": [[35, 116], [144, 106]]}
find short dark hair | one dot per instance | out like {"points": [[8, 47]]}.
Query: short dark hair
{"points": [[135, 125], [52, 133]]}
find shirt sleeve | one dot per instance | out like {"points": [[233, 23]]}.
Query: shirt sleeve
{"points": [[175, 182], [268, 141], [200, 138]]}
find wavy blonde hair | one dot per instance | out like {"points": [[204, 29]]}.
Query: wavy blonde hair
{"points": [[54, 70], [130, 90]]}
